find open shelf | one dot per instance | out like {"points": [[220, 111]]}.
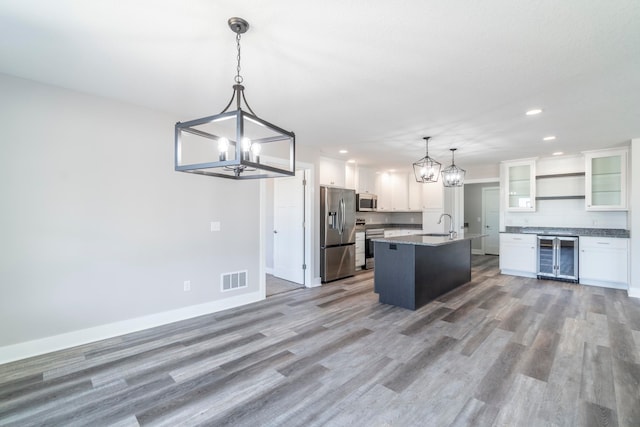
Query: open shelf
{"points": [[560, 175], [559, 197]]}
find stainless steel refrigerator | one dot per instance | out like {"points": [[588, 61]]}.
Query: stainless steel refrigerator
{"points": [[337, 233]]}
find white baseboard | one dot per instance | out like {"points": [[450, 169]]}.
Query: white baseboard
{"points": [[268, 270], [317, 281], [26, 349], [633, 292], [518, 273], [601, 284], [477, 252]]}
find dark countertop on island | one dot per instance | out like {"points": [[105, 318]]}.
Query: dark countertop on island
{"points": [[429, 240], [570, 231]]}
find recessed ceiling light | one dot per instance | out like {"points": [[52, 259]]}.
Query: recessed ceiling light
{"points": [[533, 112], [549, 138], [392, 170], [343, 151], [558, 153], [351, 161]]}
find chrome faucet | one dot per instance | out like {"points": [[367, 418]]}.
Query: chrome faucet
{"points": [[452, 233]]}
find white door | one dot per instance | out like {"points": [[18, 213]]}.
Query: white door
{"points": [[491, 219], [288, 228]]}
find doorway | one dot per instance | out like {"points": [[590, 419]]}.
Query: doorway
{"points": [[491, 220], [289, 228], [286, 215]]}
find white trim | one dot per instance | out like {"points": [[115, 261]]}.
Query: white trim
{"points": [[477, 252], [317, 281], [633, 293], [519, 273], [602, 284], [310, 249], [268, 270], [262, 269], [26, 349]]}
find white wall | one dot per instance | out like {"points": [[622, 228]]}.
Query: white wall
{"points": [[634, 286], [98, 229]]}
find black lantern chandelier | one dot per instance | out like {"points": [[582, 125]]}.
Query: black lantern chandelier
{"points": [[453, 176], [234, 144], [426, 169]]}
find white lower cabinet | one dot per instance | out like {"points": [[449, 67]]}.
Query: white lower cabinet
{"points": [[604, 261], [518, 254], [360, 260]]}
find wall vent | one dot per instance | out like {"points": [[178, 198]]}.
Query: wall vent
{"points": [[235, 280]]}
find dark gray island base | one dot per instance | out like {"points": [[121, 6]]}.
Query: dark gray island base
{"points": [[411, 271]]}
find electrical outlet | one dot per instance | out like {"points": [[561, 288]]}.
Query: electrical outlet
{"points": [[187, 285], [215, 225]]}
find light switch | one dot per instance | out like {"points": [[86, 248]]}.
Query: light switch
{"points": [[215, 225]]}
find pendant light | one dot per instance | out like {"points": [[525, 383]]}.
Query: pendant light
{"points": [[234, 144], [453, 176], [426, 169]]}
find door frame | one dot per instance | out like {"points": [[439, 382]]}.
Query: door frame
{"points": [[484, 217], [309, 219]]}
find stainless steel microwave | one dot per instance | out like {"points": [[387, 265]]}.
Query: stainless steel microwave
{"points": [[366, 202]]}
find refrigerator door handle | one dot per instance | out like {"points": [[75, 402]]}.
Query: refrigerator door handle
{"points": [[343, 205]]}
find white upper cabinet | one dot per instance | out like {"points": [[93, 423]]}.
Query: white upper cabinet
{"points": [[366, 181], [393, 192], [606, 180], [520, 182], [332, 172], [350, 176]]}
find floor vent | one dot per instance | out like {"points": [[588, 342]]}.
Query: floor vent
{"points": [[235, 280]]}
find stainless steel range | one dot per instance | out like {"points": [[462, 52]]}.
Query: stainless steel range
{"points": [[371, 233]]}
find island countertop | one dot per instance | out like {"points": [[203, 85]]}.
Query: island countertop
{"points": [[429, 239]]}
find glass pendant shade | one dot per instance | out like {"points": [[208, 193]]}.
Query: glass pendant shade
{"points": [[453, 176], [426, 169], [234, 144]]}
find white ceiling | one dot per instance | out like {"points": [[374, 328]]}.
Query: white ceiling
{"points": [[370, 76]]}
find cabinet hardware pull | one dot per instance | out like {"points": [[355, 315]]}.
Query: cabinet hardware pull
{"points": [[602, 243]]}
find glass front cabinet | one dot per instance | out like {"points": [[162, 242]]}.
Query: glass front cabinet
{"points": [[606, 180], [520, 180]]}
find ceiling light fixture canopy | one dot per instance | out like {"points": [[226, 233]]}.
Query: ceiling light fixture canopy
{"points": [[234, 144], [426, 169], [453, 176]]}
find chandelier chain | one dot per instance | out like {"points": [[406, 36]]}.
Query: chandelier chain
{"points": [[238, 78]]}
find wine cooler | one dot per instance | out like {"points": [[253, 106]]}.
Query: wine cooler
{"points": [[558, 258]]}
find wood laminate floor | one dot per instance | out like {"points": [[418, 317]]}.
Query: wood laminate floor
{"points": [[276, 285], [499, 350]]}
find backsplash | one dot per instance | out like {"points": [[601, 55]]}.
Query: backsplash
{"points": [[566, 213], [391, 217]]}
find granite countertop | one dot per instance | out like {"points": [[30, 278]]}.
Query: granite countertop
{"points": [[569, 231], [429, 240], [394, 225]]}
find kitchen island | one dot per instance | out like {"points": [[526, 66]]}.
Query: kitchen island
{"points": [[413, 270]]}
